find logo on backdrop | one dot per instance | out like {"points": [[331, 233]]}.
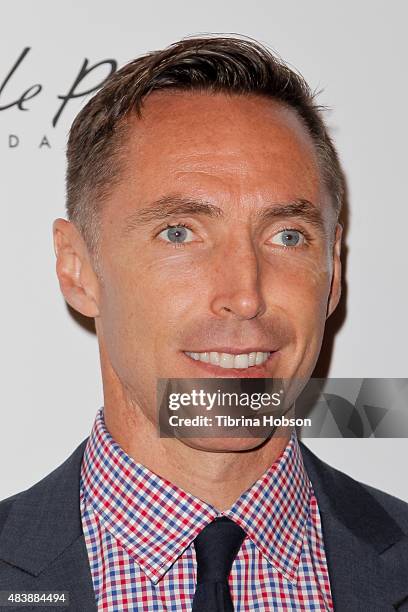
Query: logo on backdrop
{"points": [[27, 97]]}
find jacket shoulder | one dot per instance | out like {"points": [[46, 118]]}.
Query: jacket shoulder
{"points": [[395, 506], [41, 487], [352, 498]]}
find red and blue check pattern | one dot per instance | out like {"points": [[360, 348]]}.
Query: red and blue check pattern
{"points": [[139, 530]]}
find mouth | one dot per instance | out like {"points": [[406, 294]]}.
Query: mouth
{"points": [[234, 362]]}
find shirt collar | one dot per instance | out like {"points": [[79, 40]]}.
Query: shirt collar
{"points": [[154, 520]]}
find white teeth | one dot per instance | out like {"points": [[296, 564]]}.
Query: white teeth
{"points": [[215, 358], [259, 358], [228, 360], [251, 359], [241, 361]]}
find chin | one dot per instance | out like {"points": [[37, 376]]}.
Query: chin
{"points": [[224, 445]]}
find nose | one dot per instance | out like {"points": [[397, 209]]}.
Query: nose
{"points": [[237, 283]]}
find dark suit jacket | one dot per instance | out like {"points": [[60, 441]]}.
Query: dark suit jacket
{"points": [[365, 531]]}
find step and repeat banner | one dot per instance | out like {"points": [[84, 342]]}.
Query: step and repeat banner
{"points": [[54, 56]]}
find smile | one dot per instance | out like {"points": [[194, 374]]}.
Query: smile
{"points": [[229, 360]]}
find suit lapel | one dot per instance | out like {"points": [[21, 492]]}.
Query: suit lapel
{"points": [[366, 550], [43, 536]]}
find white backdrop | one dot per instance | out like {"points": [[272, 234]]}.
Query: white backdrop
{"points": [[357, 52]]}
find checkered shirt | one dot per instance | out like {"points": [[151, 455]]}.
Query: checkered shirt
{"points": [[139, 530]]}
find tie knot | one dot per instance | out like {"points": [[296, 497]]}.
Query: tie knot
{"points": [[216, 547]]}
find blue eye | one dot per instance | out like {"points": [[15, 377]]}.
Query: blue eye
{"points": [[289, 238], [177, 234]]}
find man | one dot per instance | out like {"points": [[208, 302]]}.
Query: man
{"points": [[203, 237]]}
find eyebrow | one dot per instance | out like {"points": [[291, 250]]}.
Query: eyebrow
{"points": [[169, 206], [300, 208]]}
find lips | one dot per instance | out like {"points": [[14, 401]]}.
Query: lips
{"points": [[206, 369], [231, 360]]}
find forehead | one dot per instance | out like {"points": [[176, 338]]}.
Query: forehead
{"points": [[243, 147]]}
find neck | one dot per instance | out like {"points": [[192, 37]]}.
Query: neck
{"points": [[217, 478]]}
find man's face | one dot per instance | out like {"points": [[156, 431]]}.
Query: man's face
{"points": [[245, 268]]}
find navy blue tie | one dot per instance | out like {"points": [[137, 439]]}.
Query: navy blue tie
{"points": [[216, 548]]}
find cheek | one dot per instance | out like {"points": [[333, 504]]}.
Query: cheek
{"points": [[300, 285], [143, 303], [300, 293], [123, 312], [169, 291]]}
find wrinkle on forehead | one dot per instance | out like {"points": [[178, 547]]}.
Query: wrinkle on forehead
{"points": [[236, 150]]}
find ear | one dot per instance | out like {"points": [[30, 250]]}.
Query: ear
{"points": [[77, 279], [335, 288]]}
